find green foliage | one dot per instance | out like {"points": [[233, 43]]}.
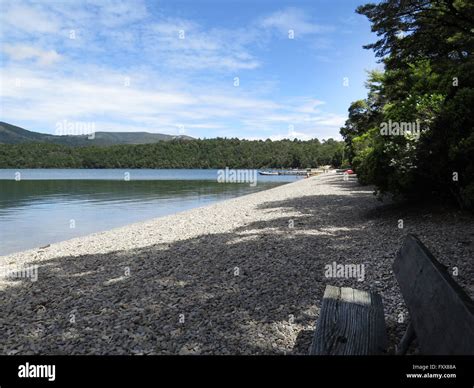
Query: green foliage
{"points": [[426, 47], [209, 153]]}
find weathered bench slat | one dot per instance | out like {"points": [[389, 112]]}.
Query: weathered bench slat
{"points": [[351, 322], [442, 314]]}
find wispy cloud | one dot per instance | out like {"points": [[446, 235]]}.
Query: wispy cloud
{"points": [[182, 44], [125, 68], [21, 52], [28, 18], [293, 19]]}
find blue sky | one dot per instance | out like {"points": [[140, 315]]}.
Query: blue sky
{"points": [[249, 69]]}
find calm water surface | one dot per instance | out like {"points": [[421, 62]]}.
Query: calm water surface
{"points": [[50, 205]]}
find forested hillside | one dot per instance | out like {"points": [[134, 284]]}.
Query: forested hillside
{"points": [[210, 153], [12, 134]]}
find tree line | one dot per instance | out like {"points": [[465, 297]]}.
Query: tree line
{"points": [[200, 153], [413, 135]]}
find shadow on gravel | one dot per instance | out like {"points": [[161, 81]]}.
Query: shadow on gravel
{"points": [[256, 290]]}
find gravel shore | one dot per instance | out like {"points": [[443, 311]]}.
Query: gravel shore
{"points": [[243, 276]]}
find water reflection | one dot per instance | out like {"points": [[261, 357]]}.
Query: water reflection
{"points": [[39, 212]]}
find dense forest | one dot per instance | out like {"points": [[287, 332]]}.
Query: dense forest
{"points": [[208, 153], [413, 135]]}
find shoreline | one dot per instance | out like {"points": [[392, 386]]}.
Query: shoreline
{"points": [[240, 276], [102, 201], [134, 225]]}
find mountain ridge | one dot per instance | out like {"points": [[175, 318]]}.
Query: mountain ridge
{"points": [[12, 134]]}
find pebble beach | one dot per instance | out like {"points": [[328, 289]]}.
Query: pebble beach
{"points": [[241, 276]]}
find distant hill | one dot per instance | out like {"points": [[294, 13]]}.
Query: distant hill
{"points": [[11, 134]]}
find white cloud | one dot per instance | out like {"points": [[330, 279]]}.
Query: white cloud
{"points": [[127, 25], [30, 19], [24, 52], [115, 13], [309, 106], [292, 19], [104, 99], [182, 44], [179, 82], [329, 120]]}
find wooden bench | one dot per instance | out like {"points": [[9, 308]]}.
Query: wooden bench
{"points": [[351, 322], [441, 313]]}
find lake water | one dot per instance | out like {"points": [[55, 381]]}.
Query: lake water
{"points": [[43, 206]]}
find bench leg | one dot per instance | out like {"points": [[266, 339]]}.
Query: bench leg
{"points": [[407, 339]]}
